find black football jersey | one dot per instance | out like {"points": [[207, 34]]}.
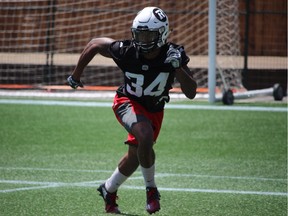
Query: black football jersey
{"points": [[146, 81]]}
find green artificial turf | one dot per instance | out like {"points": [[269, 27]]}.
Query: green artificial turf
{"points": [[52, 159]]}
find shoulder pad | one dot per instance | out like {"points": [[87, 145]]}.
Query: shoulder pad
{"points": [[119, 48]]}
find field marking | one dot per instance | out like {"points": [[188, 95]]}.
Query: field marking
{"points": [[25, 188], [159, 175], [55, 170], [168, 106], [45, 185], [36, 185], [196, 190]]}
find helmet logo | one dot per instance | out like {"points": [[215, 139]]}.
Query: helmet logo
{"points": [[145, 67], [159, 14]]}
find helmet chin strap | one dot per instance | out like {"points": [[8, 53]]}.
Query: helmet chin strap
{"points": [[137, 51], [141, 51]]}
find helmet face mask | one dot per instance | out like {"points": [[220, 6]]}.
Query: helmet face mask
{"points": [[150, 29], [145, 39]]}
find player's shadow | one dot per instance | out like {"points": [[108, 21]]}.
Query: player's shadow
{"points": [[128, 214]]}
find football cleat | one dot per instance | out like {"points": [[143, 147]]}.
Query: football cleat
{"points": [[109, 199], [153, 197]]}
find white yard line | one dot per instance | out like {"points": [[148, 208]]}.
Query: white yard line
{"points": [[158, 175], [45, 185], [36, 185], [197, 190], [54, 170], [168, 106], [26, 188]]}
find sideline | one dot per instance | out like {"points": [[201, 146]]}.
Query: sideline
{"points": [[168, 106]]}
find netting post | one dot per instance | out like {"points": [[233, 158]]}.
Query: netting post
{"points": [[212, 50], [247, 17], [48, 71]]}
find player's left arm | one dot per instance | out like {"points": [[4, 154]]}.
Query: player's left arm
{"points": [[182, 72], [187, 83]]}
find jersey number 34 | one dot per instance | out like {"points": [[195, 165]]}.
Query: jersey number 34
{"points": [[136, 86]]}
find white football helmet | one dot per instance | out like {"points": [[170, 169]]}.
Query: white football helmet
{"points": [[150, 29]]}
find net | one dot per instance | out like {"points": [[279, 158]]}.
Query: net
{"points": [[41, 40]]}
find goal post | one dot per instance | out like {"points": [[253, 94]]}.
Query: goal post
{"points": [[212, 50]]}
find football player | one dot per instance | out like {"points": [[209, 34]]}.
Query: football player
{"points": [[149, 64]]}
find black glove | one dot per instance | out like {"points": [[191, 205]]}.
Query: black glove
{"points": [[73, 83], [173, 57]]}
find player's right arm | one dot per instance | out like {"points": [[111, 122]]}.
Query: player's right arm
{"points": [[94, 47]]}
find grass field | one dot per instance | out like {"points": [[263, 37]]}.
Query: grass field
{"points": [[209, 162]]}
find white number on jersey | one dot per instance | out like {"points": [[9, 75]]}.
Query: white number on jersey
{"points": [[155, 88]]}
